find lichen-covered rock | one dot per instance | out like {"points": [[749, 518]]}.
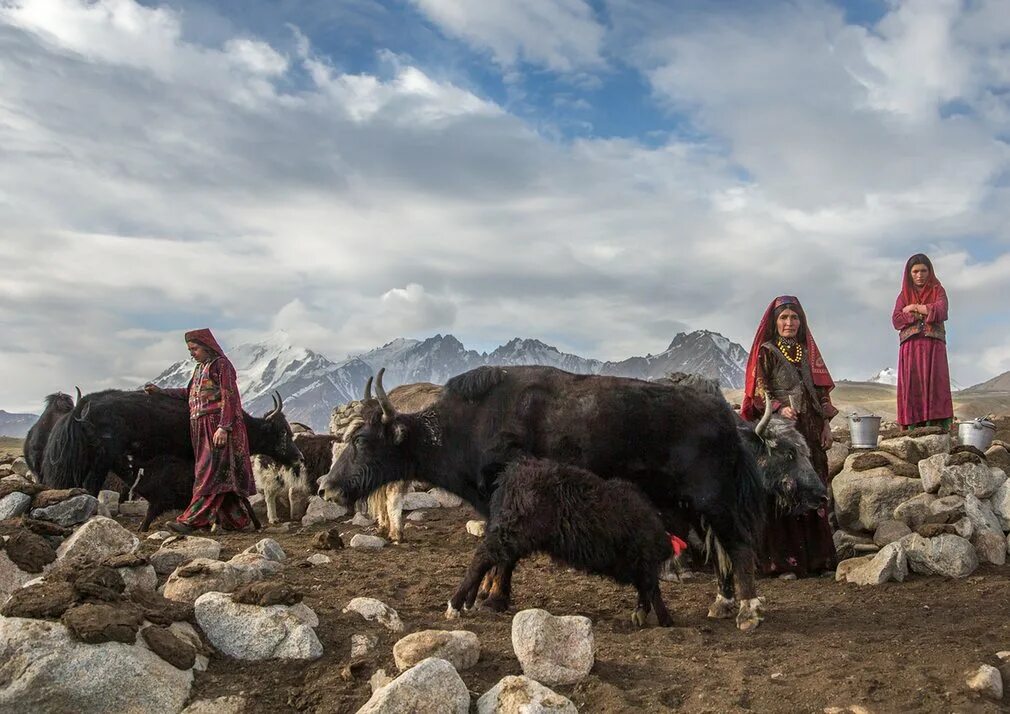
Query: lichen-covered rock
{"points": [[432, 686], [947, 555], [971, 477], [890, 531], [253, 632], [376, 611], [915, 511], [889, 564], [98, 539], [178, 551], [553, 649], [522, 695], [865, 499], [913, 449], [459, 647]]}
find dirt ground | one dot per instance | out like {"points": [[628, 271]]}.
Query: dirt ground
{"points": [[897, 647]]}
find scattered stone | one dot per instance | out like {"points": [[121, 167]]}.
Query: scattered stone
{"points": [[476, 528], [947, 509], [1000, 503], [375, 611], [360, 540], [200, 576], [319, 559], [20, 467], [58, 674], [889, 564], [328, 540], [320, 511], [987, 681], [17, 484], [990, 546], [553, 650], [98, 539], [42, 601], [266, 594], [865, 499], [141, 577], [50, 497], [837, 454], [253, 566], [362, 645], [379, 680], [164, 643], [179, 551], [999, 457], [913, 448], [915, 511], [100, 622], [416, 516], [930, 471], [890, 531], [221, 705], [947, 555], [109, 499], [845, 543], [964, 528], [419, 500], [252, 632], [981, 515], [30, 552], [135, 509], [522, 695], [268, 548], [431, 686], [68, 513], [459, 647], [976, 479], [848, 565], [361, 520], [445, 498], [159, 535], [14, 505]]}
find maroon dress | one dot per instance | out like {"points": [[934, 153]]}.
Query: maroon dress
{"points": [[923, 375], [223, 475]]}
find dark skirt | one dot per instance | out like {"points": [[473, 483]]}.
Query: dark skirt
{"points": [[801, 544]]}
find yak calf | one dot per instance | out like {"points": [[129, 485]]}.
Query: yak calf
{"points": [[604, 527]]}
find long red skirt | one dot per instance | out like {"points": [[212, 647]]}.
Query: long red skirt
{"points": [[223, 477], [923, 381]]}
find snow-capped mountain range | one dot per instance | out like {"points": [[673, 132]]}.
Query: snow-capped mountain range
{"points": [[888, 375], [312, 384]]}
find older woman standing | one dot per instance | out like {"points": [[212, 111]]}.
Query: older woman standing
{"points": [[220, 445], [786, 367], [923, 375]]}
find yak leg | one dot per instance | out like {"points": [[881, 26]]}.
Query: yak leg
{"points": [[394, 510], [252, 514], [154, 509], [479, 565], [500, 593], [751, 607], [486, 583], [662, 614], [377, 509], [641, 612], [724, 606]]}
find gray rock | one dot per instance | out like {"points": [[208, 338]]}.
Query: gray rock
{"points": [[981, 515], [964, 528], [947, 509], [522, 695], [319, 559], [19, 467], [837, 454], [98, 539], [109, 499], [201, 576], [947, 555], [54, 673], [360, 540], [445, 499], [930, 471], [848, 565], [990, 546], [914, 449], [320, 511], [379, 680], [889, 564], [268, 548], [375, 611], [476, 528], [915, 511], [979, 480], [415, 516], [865, 499], [140, 577], [459, 647], [14, 504], [251, 632], [890, 531], [362, 645], [553, 650], [70, 512], [181, 550], [221, 705], [361, 520], [987, 681], [134, 509], [432, 686], [13, 578], [254, 566], [418, 500], [1000, 502]]}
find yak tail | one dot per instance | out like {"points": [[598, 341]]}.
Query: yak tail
{"points": [[66, 454]]}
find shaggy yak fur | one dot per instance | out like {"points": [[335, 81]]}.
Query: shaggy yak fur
{"points": [[602, 527], [298, 482], [108, 429], [57, 406], [681, 447]]}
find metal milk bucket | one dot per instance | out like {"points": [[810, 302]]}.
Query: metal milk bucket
{"points": [[863, 431], [977, 432]]}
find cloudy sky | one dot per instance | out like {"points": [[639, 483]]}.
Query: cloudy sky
{"points": [[599, 174]]}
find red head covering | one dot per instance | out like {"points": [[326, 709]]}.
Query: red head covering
{"points": [[205, 338], [766, 331], [929, 292]]}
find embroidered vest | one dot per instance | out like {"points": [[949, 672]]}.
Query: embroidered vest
{"points": [[936, 330], [204, 392]]}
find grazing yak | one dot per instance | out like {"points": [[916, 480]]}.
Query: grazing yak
{"points": [[57, 406], [680, 446], [106, 430], [297, 481], [602, 527]]}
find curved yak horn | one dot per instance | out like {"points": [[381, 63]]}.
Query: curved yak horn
{"points": [[78, 394], [368, 390], [273, 411], [388, 410], [280, 402], [765, 418]]}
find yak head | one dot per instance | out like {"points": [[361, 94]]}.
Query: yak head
{"points": [[376, 449], [274, 436], [784, 458]]}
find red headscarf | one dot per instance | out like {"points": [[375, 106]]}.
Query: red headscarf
{"points": [[928, 293], [766, 331], [205, 338]]}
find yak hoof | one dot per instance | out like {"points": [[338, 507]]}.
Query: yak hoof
{"points": [[639, 617], [722, 609], [751, 614], [451, 613]]}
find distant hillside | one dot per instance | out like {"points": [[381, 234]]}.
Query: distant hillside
{"points": [[996, 384], [16, 425]]}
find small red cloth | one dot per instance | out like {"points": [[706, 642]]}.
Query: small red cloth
{"points": [[679, 546]]}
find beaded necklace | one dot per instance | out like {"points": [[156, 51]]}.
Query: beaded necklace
{"points": [[797, 350]]}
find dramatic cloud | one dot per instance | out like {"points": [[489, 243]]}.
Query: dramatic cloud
{"points": [[154, 179]]}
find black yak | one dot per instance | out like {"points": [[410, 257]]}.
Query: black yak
{"points": [[681, 447], [602, 527], [57, 406]]}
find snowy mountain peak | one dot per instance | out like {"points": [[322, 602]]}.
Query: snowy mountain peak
{"points": [[888, 375]]}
